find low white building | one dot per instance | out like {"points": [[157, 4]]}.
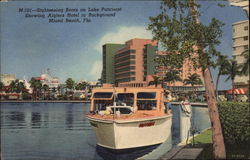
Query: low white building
{"points": [[6, 79], [240, 44]]}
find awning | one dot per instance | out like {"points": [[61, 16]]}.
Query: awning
{"points": [[237, 91]]}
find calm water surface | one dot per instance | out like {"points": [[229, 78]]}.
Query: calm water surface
{"points": [[60, 131]]}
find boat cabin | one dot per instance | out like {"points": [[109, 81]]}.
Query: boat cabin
{"points": [[126, 101]]}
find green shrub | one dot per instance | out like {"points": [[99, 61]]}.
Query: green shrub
{"points": [[235, 121]]}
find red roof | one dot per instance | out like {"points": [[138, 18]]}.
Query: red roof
{"points": [[39, 78]]}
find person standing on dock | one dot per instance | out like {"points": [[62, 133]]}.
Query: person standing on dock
{"points": [[167, 100]]}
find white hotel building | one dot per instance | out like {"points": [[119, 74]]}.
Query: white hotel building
{"points": [[241, 41]]}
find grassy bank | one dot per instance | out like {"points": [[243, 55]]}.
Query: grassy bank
{"points": [[233, 151]]}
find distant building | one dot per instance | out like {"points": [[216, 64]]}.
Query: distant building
{"points": [[240, 44], [6, 79], [108, 52], [244, 4], [186, 70], [135, 60], [26, 84], [133, 64], [52, 82]]}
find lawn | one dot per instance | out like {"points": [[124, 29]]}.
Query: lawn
{"points": [[233, 151]]}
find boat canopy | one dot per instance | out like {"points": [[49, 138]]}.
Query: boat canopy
{"points": [[136, 99]]}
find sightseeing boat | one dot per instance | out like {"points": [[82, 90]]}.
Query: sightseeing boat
{"points": [[129, 117]]}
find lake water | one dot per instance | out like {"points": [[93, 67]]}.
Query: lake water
{"points": [[60, 131]]}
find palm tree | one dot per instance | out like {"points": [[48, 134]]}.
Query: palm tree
{"points": [[70, 84], [54, 92], [193, 80], [1, 85], [81, 86], [245, 66], [12, 87], [45, 88], [232, 70], [156, 81], [36, 85], [173, 76], [20, 87], [222, 63], [16, 87], [59, 90]]}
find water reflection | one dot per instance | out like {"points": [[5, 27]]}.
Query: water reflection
{"points": [[69, 118], [16, 116], [46, 119], [13, 119], [127, 154], [36, 120]]}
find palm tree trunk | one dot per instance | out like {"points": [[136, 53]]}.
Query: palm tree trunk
{"points": [[218, 141], [233, 89], [174, 89], [193, 96], [217, 137], [217, 84], [36, 94]]}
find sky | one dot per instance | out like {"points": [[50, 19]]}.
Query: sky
{"points": [[74, 50]]}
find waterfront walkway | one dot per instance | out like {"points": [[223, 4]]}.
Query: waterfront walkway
{"points": [[182, 151]]}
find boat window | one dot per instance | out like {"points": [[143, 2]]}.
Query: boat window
{"points": [[146, 104], [100, 105], [103, 94], [127, 98], [146, 95]]}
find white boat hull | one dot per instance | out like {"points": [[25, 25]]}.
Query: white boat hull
{"points": [[125, 134]]}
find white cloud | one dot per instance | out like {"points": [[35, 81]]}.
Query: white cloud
{"points": [[122, 35], [96, 69]]}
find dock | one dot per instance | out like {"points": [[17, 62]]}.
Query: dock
{"points": [[182, 151]]}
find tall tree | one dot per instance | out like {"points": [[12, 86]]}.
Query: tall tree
{"points": [[1, 85], [245, 66], [81, 86], [232, 70], [180, 32], [172, 76], [156, 80], [36, 86], [16, 87], [70, 84], [20, 88], [193, 80], [222, 63], [45, 88], [12, 88]]}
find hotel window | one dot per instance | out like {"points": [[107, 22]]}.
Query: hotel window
{"points": [[245, 28], [245, 38], [246, 47], [234, 48]]}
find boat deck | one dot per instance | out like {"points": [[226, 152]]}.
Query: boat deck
{"points": [[133, 116]]}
